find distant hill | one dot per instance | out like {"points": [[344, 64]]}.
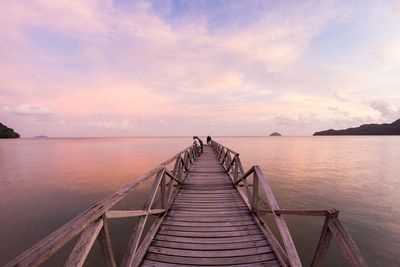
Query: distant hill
{"points": [[6, 132], [40, 137], [367, 129], [275, 134]]}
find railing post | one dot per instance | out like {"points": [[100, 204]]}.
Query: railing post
{"points": [[228, 160], [176, 166], [186, 160], [254, 198], [324, 241], [235, 169], [222, 155], [178, 173], [162, 191], [105, 244]]}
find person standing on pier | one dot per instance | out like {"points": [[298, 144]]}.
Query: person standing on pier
{"points": [[208, 140], [198, 143]]}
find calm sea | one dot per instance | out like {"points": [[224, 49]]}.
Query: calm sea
{"points": [[46, 182]]}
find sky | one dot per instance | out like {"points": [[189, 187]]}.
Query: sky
{"points": [[71, 68]]}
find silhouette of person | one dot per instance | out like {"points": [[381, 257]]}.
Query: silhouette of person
{"points": [[198, 143], [209, 140]]}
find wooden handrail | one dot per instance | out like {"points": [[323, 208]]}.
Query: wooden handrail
{"points": [[331, 227], [83, 223], [131, 213], [244, 176]]}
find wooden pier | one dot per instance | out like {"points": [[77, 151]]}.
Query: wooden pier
{"points": [[207, 214]]}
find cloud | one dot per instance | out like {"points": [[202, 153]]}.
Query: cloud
{"points": [[111, 124], [301, 120], [27, 110], [202, 62], [387, 112]]}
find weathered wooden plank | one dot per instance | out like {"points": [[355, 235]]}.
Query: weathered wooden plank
{"points": [[210, 209], [216, 246], [208, 224], [210, 261], [209, 191], [201, 201], [207, 240], [209, 197], [210, 254], [209, 234], [213, 188], [84, 244], [150, 263], [198, 213], [209, 218], [210, 228]]}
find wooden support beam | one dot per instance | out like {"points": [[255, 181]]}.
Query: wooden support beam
{"points": [[163, 190], [176, 166], [172, 176], [347, 244], [105, 244], [244, 176], [84, 244], [227, 161], [184, 164], [170, 188], [254, 197], [230, 164], [324, 241], [236, 168]]}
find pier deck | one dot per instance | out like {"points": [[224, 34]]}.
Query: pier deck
{"points": [[209, 223]]}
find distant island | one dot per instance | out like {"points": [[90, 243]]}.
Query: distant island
{"points": [[275, 134], [40, 137], [367, 129], [6, 132]]}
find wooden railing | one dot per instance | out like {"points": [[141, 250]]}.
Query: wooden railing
{"points": [[251, 194], [92, 224]]}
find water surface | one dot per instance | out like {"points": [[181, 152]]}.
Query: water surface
{"points": [[46, 182]]}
